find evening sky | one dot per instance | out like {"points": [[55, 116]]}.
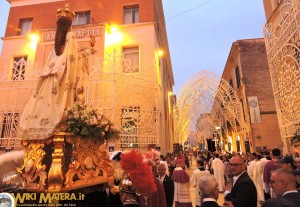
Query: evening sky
{"points": [[200, 32]]}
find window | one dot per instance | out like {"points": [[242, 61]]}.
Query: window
{"points": [[18, 70], [238, 146], [25, 26], [231, 89], [131, 60], [238, 79], [130, 120], [131, 15], [242, 103], [9, 124], [81, 18], [231, 83]]}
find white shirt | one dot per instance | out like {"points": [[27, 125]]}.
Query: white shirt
{"points": [[209, 199], [291, 191], [236, 177], [234, 180]]}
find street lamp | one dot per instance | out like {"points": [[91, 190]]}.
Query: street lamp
{"points": [[113, 37]]}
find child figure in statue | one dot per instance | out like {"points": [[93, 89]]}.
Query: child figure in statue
{"points": [[61, 83]]}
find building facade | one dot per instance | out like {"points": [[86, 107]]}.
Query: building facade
{"points": [[247, 72], [130, 79], [281, 33]]}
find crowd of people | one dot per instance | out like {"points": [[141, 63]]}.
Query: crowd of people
{"points": [[265, 179], [246, 180]]}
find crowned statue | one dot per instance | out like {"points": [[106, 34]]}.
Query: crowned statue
{"points": [[62, 136], [60, 85]]}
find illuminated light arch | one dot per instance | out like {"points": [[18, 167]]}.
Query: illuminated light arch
{"points": [[207, 96], [281, 36]]}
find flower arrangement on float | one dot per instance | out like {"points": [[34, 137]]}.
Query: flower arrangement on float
{"points": [[88, 122]]}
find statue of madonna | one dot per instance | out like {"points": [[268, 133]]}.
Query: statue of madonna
{"points": [[61, 84]]}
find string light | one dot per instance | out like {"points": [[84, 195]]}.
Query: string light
{"points": [[199, 5]]}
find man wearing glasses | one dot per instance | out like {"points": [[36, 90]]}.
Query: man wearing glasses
{"points": [[283, 182], [243, 192]]}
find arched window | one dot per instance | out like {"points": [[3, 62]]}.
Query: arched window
{"points": [[238, 78]]}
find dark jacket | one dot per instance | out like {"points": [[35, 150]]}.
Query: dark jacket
{"points": [[293, 197], [168, 184], [278, 202], [210, 204], [243, 193]]}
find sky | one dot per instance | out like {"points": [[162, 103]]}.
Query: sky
{"points": [[200, 32]]}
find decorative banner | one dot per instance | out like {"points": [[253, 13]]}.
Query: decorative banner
{"points": [[254, 109]]}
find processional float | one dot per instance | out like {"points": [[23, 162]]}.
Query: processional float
{"points": [[63, 137]]}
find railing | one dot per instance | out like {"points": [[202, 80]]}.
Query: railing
{"points": [[8, 144]]}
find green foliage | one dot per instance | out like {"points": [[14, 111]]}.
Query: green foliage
{"points": [[88, 122]]}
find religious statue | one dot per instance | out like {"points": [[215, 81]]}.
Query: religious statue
{"points": [[60, 85]]}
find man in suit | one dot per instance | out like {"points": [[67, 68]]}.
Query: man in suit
{"points": [[243, 192], [209, 189], [168, 184], [283, 183], [278, 202], [268, 168]]}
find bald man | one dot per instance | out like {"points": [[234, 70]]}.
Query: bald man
{"points": [[283, 183], [243, 192], [168, 184]]}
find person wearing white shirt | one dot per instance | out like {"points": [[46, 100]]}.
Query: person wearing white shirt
{"points": [[243, 192], [218, 168], [197, 174], [251, 165]]}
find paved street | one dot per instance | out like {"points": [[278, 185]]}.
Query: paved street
{"points": [[192, 190]]}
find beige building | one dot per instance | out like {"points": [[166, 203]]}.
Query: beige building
{"points": [[130, 72], [247, 72], [282, 44]]}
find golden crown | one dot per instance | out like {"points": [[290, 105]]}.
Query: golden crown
{"points": [[65, 12]]}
